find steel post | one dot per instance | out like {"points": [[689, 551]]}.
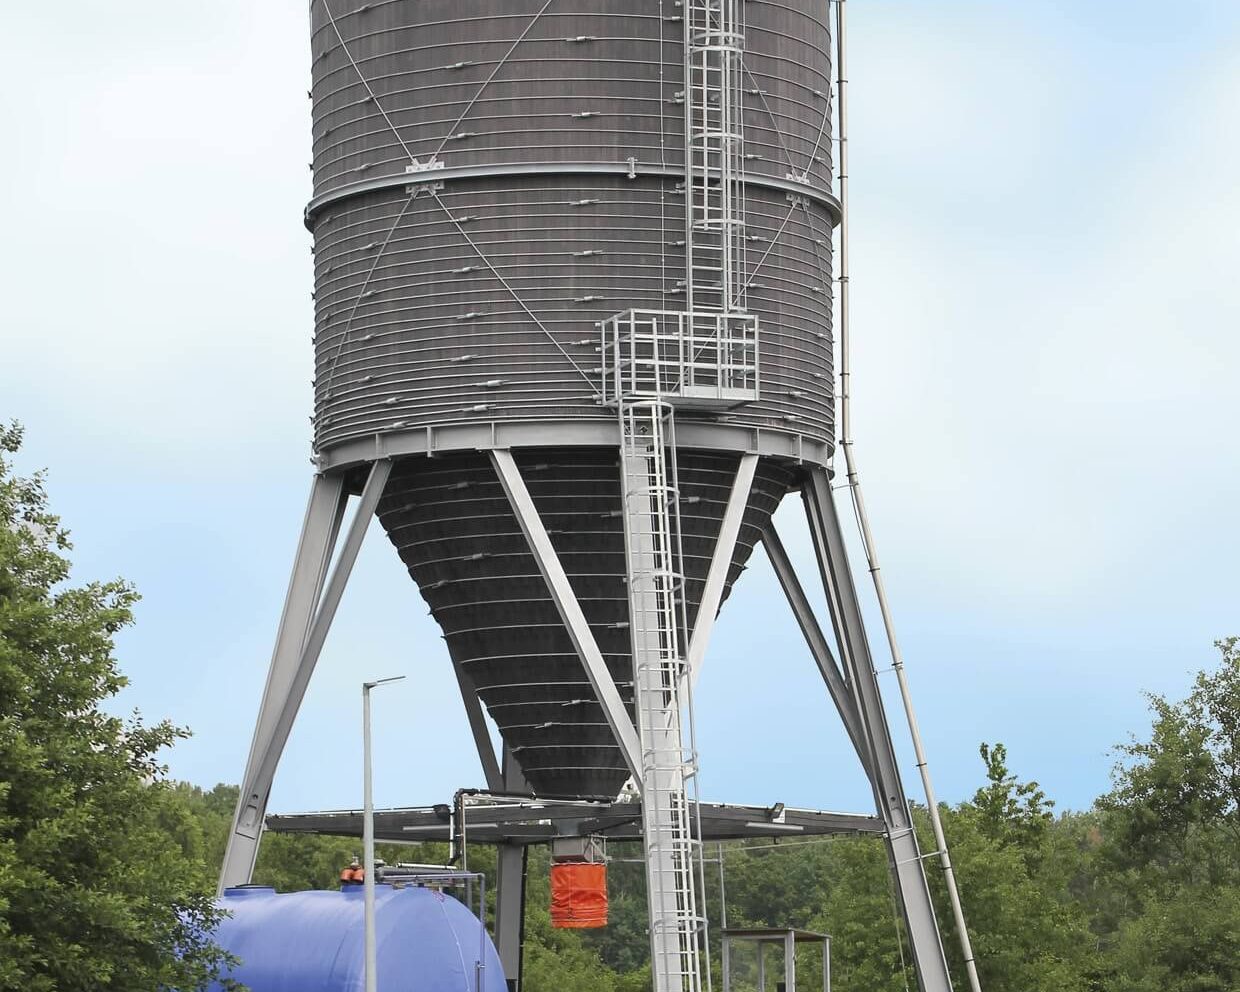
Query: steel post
{"points": [[297, 652], [905, 855]]}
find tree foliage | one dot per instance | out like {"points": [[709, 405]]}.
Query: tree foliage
{"points": [[101, 866]]}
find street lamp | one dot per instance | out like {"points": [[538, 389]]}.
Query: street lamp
{"points": [[368, 838]]}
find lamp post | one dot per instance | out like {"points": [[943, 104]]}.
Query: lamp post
{"points": [[368, 839]]}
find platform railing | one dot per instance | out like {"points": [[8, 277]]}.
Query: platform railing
{"points": [[704, 359]]}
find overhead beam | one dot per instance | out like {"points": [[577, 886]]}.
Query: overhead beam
{"points": [[837, 687], [720, 563], [530, 821], [565, 599]]}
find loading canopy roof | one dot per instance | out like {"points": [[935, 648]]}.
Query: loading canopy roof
{"points": [[532, 821]]}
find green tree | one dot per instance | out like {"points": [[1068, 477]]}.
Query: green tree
{"points": [[1167, 866], [1016, 865], [101, 862]]}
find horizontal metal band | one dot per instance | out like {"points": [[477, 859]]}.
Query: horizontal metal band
{"points": [[484, 436], [447, 174]]}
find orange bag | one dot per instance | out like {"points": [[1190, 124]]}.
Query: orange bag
{"points": [[578, 896]]}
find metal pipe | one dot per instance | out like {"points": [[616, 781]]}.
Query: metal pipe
{"points": [[863, 522], [368, 839]]}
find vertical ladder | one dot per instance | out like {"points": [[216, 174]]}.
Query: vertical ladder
{"points": [[714, 157], [655, 587]]}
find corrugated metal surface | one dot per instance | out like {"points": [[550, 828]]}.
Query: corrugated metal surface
{"points": [[433, 325], [587, 81], [452, 525], [480, 304]]}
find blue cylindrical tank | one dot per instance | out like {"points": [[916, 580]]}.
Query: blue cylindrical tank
{"points": [[313, 941]]}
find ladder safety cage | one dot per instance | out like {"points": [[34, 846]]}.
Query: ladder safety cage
{"points": [[698, 360], [669, 767], [715, 155]]}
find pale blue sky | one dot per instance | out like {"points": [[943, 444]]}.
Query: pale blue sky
{"points": [[1046, 321]]}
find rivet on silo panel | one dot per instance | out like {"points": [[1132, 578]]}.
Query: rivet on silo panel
{"points": [[492, 384], [370, 247], [753, 237], [757, 92], [789, 417], [690, 500], [391, 401], [581, 37], [459, 65], [366, 378], [749, 156], [369, 293], [463, 269], [362, 9], [587, 299], [467, 316], [583, 203], [396, 425], [587, 253], [796, 394], [463, 358], [478, 408], [819, 289], [586, 113], [367, 337], [462, 135], [464, 219], [478, 556], [676, 244], [585, 342]]}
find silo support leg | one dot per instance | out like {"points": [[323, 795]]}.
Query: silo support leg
{"points": [[569, 609], [720, 563], [906, 859], [837, 686], [299, 640], [511, 863], [478, 727]]}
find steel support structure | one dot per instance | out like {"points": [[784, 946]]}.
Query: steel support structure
{"points": [[510, 868], [837, 685], [907, 863], [570, 611], [720, 563], [309, 609]]}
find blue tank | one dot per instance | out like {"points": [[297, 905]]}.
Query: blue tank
{"points": [[312, 941]]}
